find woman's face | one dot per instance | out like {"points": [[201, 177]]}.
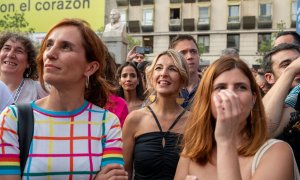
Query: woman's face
{"points": [[13, 58], [237, 82], [166, 78], [64, 57], [128, 79]]}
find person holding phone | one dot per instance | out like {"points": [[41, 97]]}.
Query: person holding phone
{"points": [[136, 55]]}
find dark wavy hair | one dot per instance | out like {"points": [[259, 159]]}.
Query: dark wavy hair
{"points": [[30, 72], [98, 89], [139, 88]]}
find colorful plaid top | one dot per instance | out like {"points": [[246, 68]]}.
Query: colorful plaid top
{"points": [[66, 145]]}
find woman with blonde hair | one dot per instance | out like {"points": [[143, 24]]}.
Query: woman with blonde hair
{"points": [[151, 135], [226, 135]]}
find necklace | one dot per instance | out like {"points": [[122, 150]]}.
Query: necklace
{"points": [[18, 92]]}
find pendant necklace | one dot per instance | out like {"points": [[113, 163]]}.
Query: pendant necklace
{"points": [[18, 91]]}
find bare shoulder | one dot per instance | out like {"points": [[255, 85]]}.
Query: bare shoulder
{"points": [[135, 117], [276, 163]]}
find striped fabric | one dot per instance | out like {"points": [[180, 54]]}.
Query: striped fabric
{"points": [[66, 145], [291, 99]]}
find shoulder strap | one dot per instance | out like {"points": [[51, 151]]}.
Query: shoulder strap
{"points": [[177, 119], [156, 120], [25, 132], [174, 123], [258, 155]]}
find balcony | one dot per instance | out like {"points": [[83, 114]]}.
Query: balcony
{"points": [[122, 2], [175, 1], [135, 2], [234, 22], [145, 2], [203, 24], [147, 26], [249, 22], [175, 25], [189, 24], [189, 1], [134, 26], [264, 22]]}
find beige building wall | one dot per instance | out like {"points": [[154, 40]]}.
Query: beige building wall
{"points": [[281, 12]]}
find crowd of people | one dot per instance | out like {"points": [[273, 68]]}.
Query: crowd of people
{"points": [[158, 119]]}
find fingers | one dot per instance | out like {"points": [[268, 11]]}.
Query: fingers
{"points": [[112, 172], [110, 167], [229, 101], [190, 177]]}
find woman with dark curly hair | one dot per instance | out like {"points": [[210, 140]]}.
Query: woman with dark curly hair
{"points": [[18, 69]]}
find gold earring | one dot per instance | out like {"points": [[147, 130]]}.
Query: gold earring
{"points": [[152, 98], [179, 100]]}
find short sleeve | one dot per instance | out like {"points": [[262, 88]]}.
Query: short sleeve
{"points": [[112, 150], [9, 145]]}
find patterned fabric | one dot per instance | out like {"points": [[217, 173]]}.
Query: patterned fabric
{"points": [[291, 99], [66, 145], [188, 97]]}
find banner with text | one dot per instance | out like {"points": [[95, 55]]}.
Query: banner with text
{"points": [[43, 14]]}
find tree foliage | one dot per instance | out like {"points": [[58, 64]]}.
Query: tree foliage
{"points": [[15, 23], [133, 42]]}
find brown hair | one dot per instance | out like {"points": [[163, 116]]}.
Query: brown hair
{"points": [[98, 89], [199, 140]]}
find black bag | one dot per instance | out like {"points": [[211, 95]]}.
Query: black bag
{"points": [[25, 132]]}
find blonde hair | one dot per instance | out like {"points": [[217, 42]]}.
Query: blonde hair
{"points": [[199, 140], [179, 62]]}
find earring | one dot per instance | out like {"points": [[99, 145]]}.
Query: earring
{"points": [[152, 98], [87, 81], [28, 72], [179, 100]]}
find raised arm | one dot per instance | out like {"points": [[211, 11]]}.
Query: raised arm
{"points": [[277, 113]]}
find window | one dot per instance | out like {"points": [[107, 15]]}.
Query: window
{"points": [[203, 15], [203, 43], [265, 11], [123, 15], [233, 41], [175, 13], [264, 41], [233, 13], [148, 44], [148, 16], [294, 10]]}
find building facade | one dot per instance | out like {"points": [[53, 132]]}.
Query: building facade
{"points": [[215, 24]]}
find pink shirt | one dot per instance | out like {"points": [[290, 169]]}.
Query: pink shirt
{"points": [[118, 106]]}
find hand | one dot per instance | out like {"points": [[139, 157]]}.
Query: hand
{"points": [[112, 172], [131, 54], [191, 177], [228, 109]]}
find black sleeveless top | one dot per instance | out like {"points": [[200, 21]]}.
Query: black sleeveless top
{"points": [[152, 160]]}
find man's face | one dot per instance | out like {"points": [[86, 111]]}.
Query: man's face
{"points": [[114, 17], [280, 61], [284, 39], [191, 54]]}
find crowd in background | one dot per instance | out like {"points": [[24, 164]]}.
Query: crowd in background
{"points": [[164, 119]]}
